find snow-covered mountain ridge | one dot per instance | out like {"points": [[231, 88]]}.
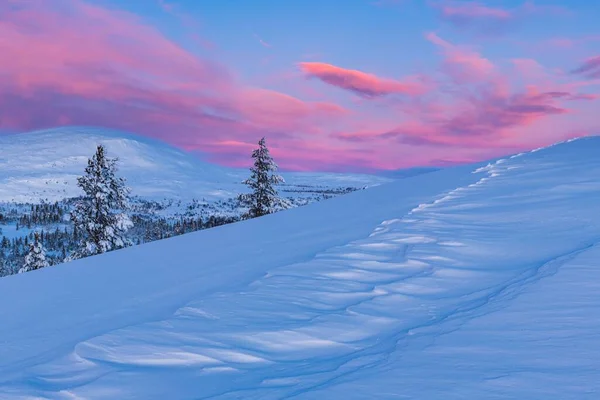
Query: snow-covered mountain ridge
{"points": [[173, 191], [44, 165], [476, 282]]}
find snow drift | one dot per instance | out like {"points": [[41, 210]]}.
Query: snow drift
{"points": [[472, 282]]}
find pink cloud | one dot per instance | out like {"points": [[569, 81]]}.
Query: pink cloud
{"points": [[298, 154], [474, 15], [561, 42], [486, 18], [529, 68], [107, 67], [590, 68], [485, 111], [361, 83], [531, 7], [470, 10], [70, 62], [585, 96], [266, 108], [462, 64], [570, 43], [189, 23]]}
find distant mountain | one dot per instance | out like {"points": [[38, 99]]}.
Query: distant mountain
{"points": [[44, 165]]}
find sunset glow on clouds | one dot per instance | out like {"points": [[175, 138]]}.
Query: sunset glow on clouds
{"points": [[361, 83], [453, 96]]}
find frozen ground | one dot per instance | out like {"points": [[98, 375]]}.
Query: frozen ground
{"points": [[476, 282], [44, 165]]}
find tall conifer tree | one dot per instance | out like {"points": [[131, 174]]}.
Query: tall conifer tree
{"points": [[99, 217], [263, 199], [36, 257]]}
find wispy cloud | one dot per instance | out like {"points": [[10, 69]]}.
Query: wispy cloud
{"points": [[73, 62], [262, 42], [565, 42], [485, 111], [462, 64], [491, 19], [107, 67], [473, 15], [361, 83], [189, 23], [462, 12], [590, 68]]}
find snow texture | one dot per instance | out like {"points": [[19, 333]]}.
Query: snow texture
{"points": [[474, 282]]}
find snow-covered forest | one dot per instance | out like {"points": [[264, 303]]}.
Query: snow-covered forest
{"points": [[60, 235]]}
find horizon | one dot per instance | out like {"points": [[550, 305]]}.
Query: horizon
{"points": [[211, 78], [109, 132]]}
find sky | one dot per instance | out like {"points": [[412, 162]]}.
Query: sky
{"points": [[352, 85]]}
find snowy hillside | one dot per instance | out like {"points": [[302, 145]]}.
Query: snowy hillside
{"points": [[473, 282], [44, 165]]}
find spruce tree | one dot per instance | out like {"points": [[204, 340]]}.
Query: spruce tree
{"points": [[3, 267], [99, 217], [263, 199], [36, 257]]}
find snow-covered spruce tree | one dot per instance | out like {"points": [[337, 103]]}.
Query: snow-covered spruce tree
{"points": [[36, 257], [3, 266], [263, 199], [99, 217]]}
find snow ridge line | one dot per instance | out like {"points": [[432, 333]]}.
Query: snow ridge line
{"points": [[492, 169]]}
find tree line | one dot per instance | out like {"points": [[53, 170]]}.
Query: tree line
{"points": [[101, 220]]}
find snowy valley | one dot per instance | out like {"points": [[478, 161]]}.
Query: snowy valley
{"points": [[472, 282]]}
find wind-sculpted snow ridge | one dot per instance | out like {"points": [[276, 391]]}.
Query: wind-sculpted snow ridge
{"points": [[348, 321]]}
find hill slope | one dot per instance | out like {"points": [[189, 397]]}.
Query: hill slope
{"points": [[471, 282], [44, 165]]}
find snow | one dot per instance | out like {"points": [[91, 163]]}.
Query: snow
{"points": [[44, 165], [477, 281], [542, 344]]}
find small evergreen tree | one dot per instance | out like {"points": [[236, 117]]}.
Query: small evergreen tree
{"points": [[36, 257], [263, 199], [3, 268], [99, 217]]}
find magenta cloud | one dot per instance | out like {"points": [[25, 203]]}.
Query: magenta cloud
{"points": [[361, 83], [486, 112], [108, 68], [76, 63], [590, 68]]}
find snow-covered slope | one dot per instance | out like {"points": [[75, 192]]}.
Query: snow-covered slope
{"points": [[475, 282], [44, 165]]}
